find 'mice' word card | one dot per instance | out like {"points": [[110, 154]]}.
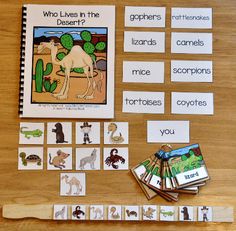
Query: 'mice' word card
{"points": [[153, 42], [143, 72], [168, 131], [199, 18], [192, 103], [191, 43], [143, 102], [145, 16]]}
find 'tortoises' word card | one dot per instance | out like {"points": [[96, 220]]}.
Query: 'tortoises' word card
{"points": [[191, 43], [143, 102], [168, 131], [145, 16], [191, 71], [192, 103], [143, 72], [153, 42], [199, 18]]}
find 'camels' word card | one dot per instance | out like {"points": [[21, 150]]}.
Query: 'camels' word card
{"points": [[87, 159], [60, 212], [114, 212], [192, 103], [72, 184], [31, 133], [143, 72], [145, 16], [198, 18], [132, 212], [191, 43], [97, 212], [153, 42], [78, 212], [168, 131], [191, 71], [143, 102], [186, 213], [116, 133]]}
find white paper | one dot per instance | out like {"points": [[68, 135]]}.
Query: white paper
{"points": [[78, 212], [186, 213], [131, 212], [114, 212], [149, 212]]}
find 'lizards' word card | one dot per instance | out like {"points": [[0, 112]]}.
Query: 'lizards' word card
{"points": [[145, 16], [191, 71], [168, 131], [153, 42], [97, 212], [191, 43], [78, 212], [60, 212], [114, 212], [198, 18], [149, 212], [143, 102], [143, 72], [186, 213], [167, 213], [131, 212], [204, 213], [192, 103]]}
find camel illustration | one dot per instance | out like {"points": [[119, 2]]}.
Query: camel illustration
{"points": [[73, 181], [77, 58], [97, 213], [112, 127]]}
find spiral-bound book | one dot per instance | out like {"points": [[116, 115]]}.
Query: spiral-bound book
{"points": [[67, 61]]}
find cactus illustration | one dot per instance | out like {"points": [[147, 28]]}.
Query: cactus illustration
{"points": [[48, 85], [67, 41], [89, 48], [100, 46], [86, 35]]}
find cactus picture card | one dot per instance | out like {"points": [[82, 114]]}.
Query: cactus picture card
{"points": [[67, 68]]}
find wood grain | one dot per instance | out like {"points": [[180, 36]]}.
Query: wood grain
{"points": [[216, 134]]}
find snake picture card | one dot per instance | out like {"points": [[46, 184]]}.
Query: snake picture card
{"points": [[30, 158], [186, 213], [167, 213], [31, 133], [60, 212], [149, 212], [205, 213], [96, 212], [114, 212], [132, 212], [78, 212]]}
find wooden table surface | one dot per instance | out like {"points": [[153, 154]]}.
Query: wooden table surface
{"points": [[216, 134]]}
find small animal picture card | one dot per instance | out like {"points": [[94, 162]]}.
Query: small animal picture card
{"points": [[96, 212], [114, 212], [204, 213], [167, 213], [88, 133], [59, 133], [31, 133], [131, 212], [88, 159], [186, 213], [59, 158], [60, 212], [149, 212], [78, 212], [116, 133], [30, 158], [115, 159], [72, 184]]}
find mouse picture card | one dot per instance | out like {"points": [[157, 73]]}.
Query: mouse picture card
{"points": [[78, 212], [149, 212], [72, 184], [132, 212], [59, 158], [167, 213], [114, 212], [60, 212], [186, 213], [96, 212], [59, 133], [204, 213], [30, 158], [88, 158], [87, 133], [31, 133]]}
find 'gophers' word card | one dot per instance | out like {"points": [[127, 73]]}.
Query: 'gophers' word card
{"points": [[191, 43], [168, 131], [153, 42], [145, 16], [199, 18], [143, 102], [143, 72], [192, 103]]}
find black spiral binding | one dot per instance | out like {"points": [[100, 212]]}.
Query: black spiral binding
{"points": [[22, 59]]}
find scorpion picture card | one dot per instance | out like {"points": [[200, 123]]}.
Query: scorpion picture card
{"points": [[204, 213], [167, 213], [72, 184], [132, 212], [87, 133], [59, 133], [88, 159], [31, 133], [114, 212], [186, 213], [30, 158], [78, 212], [149, 212], [60, 212], [96, 212], [116, 158], [59, 158], [116, 133]]}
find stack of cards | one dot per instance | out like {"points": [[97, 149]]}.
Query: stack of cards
{"points": [[169, 172]]}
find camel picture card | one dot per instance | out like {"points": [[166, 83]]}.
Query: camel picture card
{"points": [[149, 212], [186, 213], [132, 212], [72, 184], [88, 158], [59, 158], [30, 158], [167, 213], [87, 133], [114, 212], [59, 133], [116, 158], [60, 212], [116, 133], [31, 133], [96, 212], [78, 212], [205, 213]]}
